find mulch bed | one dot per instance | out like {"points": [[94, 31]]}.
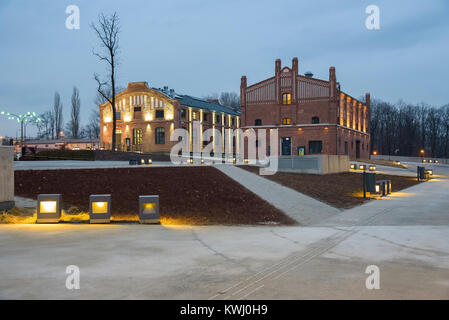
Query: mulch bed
{"points": [[187, 195], [342, 190]]}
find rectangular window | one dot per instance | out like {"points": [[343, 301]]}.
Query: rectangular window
{"points": [[195, 115], [315, 147], [232, 121], [118, 115], [182, 113], [217, 119], [286, 121], [137, 136], [286, 98], [160, 114], [160, 136], [258, 122], [204, 116], [137, 109]]}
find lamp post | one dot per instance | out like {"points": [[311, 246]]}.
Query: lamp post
{"points": [[23, 119]]}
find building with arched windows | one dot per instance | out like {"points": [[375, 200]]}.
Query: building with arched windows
{"points": [[312, 116], [146, 117]]}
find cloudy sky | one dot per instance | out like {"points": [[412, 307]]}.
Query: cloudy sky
{"points": [[201, 47]]}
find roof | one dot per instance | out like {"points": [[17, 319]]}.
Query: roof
{"points": [[190, 101], [47, 141]]}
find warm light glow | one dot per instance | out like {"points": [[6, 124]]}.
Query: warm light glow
{"points": [[377, 188], [150, 161], [372, 168], [47, 206], [107, 119], [127, 118], [149, 207], [362, 167], [353, 166], [169, 116], [422, 151], [99, 207], [148, 117], [374, 152]]}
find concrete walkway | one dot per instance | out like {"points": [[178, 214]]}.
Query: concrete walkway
{"points": [[304, 209]]}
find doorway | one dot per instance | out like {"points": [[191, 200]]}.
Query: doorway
{"points": [[357, 149], [286, 146]]}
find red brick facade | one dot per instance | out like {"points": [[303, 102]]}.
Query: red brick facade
{"points": [[309, 113]]}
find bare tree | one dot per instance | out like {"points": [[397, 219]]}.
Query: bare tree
{"points": [[57, 115], [107, 31], [231, 100], [73, 126]]}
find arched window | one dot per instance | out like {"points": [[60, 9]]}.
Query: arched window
{"points": [[160, 136], [315, 120], [286, 98], [258, 122]]}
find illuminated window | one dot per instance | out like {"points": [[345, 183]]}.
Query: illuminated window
{"points": [[286, 98], [137, 136], [160, 136], [195, 115], [286, 121]]}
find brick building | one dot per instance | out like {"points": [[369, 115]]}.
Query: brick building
{"points": [[313, 116], [146, 117]]}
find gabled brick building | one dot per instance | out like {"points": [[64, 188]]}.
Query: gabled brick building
{"points": [[313, 116]]}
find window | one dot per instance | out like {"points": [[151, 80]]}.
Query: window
{"points": [[182, 113], [160, 114], [195, 115], [160, 136], [258, 122], [286, 121], [315, 120], [217, 119], [232, 121], [315, 146], [118, 115], [137, 136], [286, 98], [137, 109], [204, 116]]}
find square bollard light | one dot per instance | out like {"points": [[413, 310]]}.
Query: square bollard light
{"points": [[430, 161], [49, 208], [362, 167], [100, 208], [149, 209], [352, 166], [437, 162], [372, 168], [424, 161]]}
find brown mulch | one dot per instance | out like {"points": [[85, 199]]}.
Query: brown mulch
{"points": [[341, 190], [187, 195]]}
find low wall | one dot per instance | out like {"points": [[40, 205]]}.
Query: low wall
{"points": [[407, 159], [6, 178], [314, 164]]}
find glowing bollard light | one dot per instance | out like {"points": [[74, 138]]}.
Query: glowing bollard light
{"points": [[202, 161], [49, 208], [362, 167], [430, 161], [424, 161], [437, 162], [149, 209], [100, 208], [429, 172], [234, 160], [150, 161], [246, 161], [352, 166], [372, 168]]}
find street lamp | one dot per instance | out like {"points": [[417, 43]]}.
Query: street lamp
{"points": [[23, 119]]}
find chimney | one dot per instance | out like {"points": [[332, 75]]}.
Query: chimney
{"points": [[368, 99], [295, 65], [172, 93], [277, 66]]}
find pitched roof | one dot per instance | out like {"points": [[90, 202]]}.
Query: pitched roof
{"points": [[190, 101]]}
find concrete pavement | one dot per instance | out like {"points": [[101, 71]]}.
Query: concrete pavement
{"points": [[405, 235]]}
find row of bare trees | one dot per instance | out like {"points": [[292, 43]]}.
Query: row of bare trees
{"points": [[52, 126], [406, 129]]}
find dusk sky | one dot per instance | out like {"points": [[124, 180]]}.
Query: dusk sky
{"points": [[204, 47]]}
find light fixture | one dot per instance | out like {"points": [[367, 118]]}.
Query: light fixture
{"points": [[150, 161], [430, 161], [49, 208], [353, 166], [436, 161], [142, 161], [424, 161], [149, 209], [362, 167], [234, 160], [202, 161], [246, 161], [100, 208], [429, 172], [372, 168]]}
